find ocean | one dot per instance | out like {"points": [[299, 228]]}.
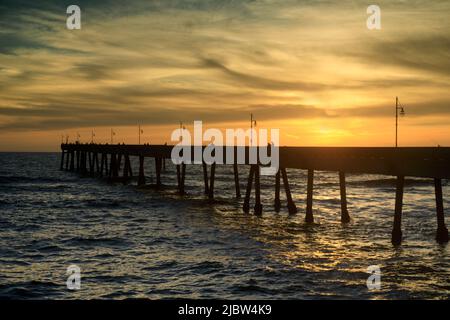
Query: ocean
{"points": [[132, 242]]}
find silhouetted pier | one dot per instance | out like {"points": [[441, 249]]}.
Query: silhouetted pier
{"points": [[105, 160]]}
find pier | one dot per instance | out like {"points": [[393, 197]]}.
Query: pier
{"points": [[113, 163]]}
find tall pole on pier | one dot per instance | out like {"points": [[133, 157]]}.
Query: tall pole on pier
{"points": [[181, 131], [140, 131], [92, 136], [112, 135], [252, 123], [402, 113]]}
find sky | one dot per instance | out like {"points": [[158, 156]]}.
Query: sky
{"points": [[311, 69]]}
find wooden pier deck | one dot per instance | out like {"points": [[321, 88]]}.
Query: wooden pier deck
{"points": [[105, 160]]}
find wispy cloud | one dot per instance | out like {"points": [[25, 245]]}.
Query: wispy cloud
{"points": [[157, 61]]}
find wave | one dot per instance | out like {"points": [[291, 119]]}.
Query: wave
{"points": [[389, 182], [25, 179], [81, 241], [31, 290]]}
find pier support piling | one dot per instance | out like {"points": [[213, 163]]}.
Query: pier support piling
{"points": [[72, 161], [119, 161], [205, 177], [96, 163], [246, 206], [179, 176], [84, 162], [236, 180], [106, 164], [91, 164], [211, 181], [442, 232], [78, 160], [81, 162], [62, 160], [309, 218], [141, 179], [182, 178], [345, 217], [292, 208], [397, 229], [277, 192], [102, 165], [158, 171], [113, 169], [127, 173], [181, 173], [67, 161], [258, 205]]}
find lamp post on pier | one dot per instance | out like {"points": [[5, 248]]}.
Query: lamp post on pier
{"points": [[398, 107]]}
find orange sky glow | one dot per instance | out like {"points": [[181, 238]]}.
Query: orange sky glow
{"points": [[309, 68]]}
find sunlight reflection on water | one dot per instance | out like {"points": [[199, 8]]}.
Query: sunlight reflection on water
{"points": [[140, 242]]}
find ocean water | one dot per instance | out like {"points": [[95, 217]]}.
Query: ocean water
{"points": [[134, 242]]}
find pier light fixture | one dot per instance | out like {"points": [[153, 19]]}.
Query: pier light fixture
{"points": [[252, 124], [398, 109], [140, 132], [112, 135]]}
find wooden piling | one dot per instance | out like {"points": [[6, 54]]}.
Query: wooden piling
{"points": [[119, 161], [141, 178], [62, 160], [345, 217], [158, 171], [126, 169], [67, 161], [178, 176], [236, 180], [82, 162], [309, 218], [110, 167], [130, 169], [441, 232], [106, 164], [85, 159], [78, 160], [182, 178], [258, 205], [205, 177], [113, 171], [91, 164], [211, 181], [97, 165], [102, 165], [72, 161], [292, 208], [397, 229], [277, 192], [246, 206]]}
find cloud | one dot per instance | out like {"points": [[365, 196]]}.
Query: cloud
{"points": [[158, 61], [260, 82], [430, 53], [53, 117]]}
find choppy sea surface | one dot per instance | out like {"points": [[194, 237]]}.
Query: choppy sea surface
{"points": [[134, 242]]}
